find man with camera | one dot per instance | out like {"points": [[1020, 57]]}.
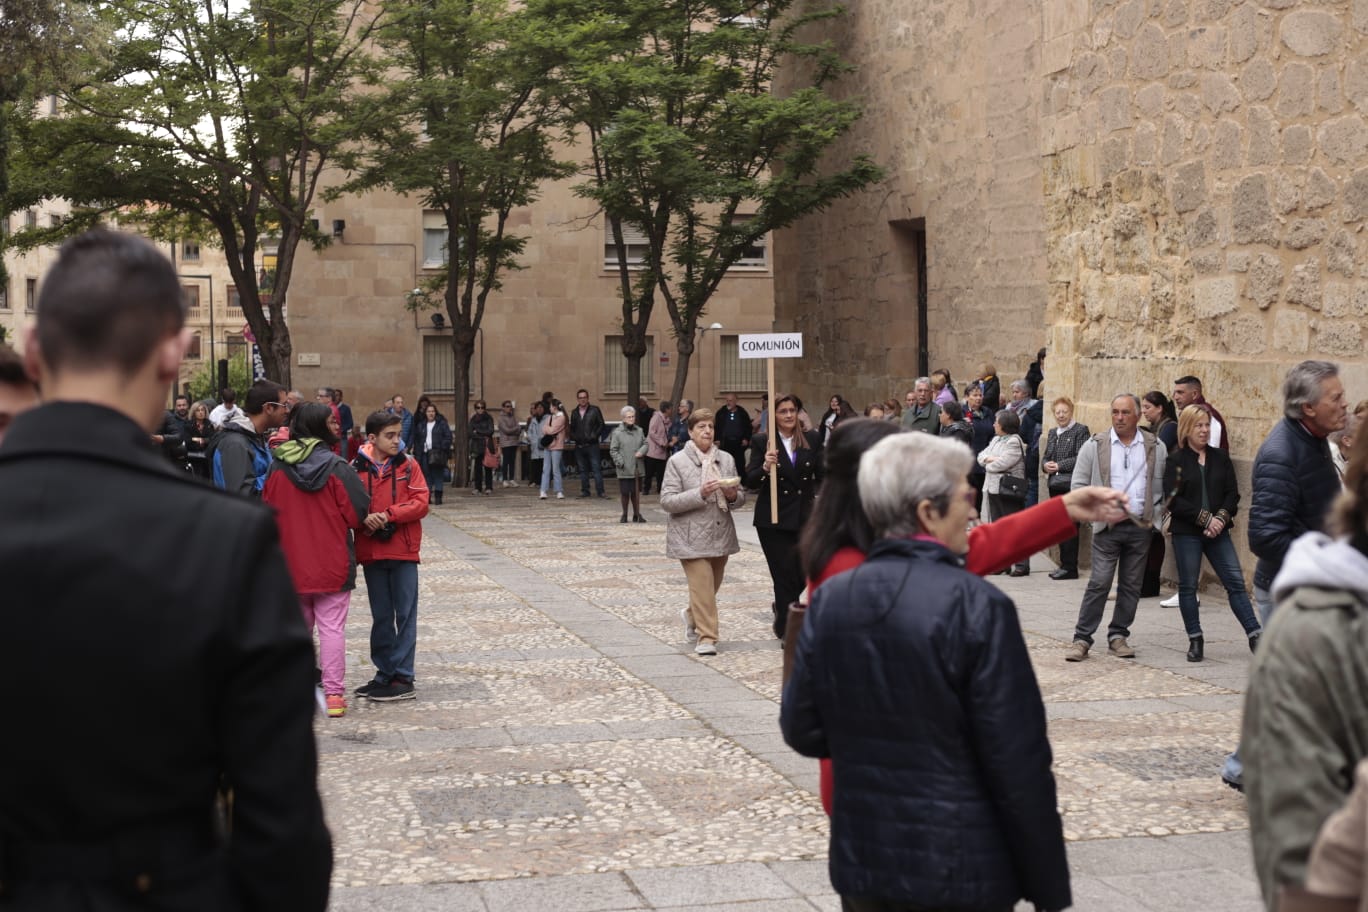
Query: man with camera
{"points": [[388, 550]]}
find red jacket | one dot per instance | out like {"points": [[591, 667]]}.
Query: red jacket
{"points": [[397, 489], [992, 547], [318, 501]]}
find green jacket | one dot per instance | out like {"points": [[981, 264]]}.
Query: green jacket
{"points": [[1306, 709], [627, 446]]}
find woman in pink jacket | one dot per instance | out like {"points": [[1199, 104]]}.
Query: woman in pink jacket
{"points": [[658, 446]]}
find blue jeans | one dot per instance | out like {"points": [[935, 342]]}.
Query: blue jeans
{"points": [[1188, 551], [393, 589], [551, 466], [587, 457]]}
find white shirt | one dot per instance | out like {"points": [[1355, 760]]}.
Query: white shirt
{"points": [[1215, 439], [221, 416], [430, 426], [788, 446], [1128, 472]]}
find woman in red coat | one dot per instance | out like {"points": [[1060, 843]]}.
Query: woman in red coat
{"points": [[837, 537], [318, 500]]}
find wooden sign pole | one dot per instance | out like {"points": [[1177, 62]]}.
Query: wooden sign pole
{"points": [[774, 444]]}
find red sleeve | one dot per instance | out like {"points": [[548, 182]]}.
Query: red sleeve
{"points": [[843, 560], [1003, 542]]}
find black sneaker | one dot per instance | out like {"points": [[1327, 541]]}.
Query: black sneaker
{"points": [[365, 689], [398, 689]]}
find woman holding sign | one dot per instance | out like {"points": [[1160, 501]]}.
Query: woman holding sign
{"points": [[794, 466]]}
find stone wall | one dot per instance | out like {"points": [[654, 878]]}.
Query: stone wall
{"points": [[1206, 187], [951, 116]]}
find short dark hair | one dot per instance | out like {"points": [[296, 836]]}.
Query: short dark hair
{"points": [[12, 372], [577, 392], [180, 397], [260, 393], [1008, 420], [107, 302], [1189, 380], [228, 394], [954, 410], [378, 421], [310, 419]]}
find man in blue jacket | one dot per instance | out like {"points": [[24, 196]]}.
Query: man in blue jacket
{"points": [[1294, 484]]}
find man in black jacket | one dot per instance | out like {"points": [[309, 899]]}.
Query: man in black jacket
{"points": [[586, 427], [165, 590], [734, 430]]}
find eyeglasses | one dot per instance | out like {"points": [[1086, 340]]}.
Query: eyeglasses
{"points": [[479, 408]]}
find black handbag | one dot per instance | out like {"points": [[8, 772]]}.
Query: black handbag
{"points": [[1012, 488], [547, 440]]}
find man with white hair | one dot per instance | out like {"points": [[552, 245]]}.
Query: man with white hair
{"points": [[1128, 459], [922, 413]]}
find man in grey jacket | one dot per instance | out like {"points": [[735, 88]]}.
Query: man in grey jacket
{"points": [[1131, 460]]}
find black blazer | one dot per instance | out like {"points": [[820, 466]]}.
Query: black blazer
{"points": [[179, 592], [1183, 481], [798, 481]]}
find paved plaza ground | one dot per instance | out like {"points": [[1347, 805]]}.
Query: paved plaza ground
{"points": [[567, 753]]}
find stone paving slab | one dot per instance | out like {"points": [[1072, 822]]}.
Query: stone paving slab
{"points": [[568, 751]]}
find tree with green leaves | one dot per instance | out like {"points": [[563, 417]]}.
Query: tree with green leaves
{"points": [[464, 127], [689, 146], [213, 118]]}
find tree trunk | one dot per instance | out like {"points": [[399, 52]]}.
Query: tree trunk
{"points": [[634, 350], [463, 350], [684, 349]]}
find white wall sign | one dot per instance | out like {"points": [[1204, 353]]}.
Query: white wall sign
{"points": [[770, 345]]}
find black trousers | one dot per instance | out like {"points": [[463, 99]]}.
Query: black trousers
{"points": [[1006, 506], [655, 469], [738, 453], [786, 570], [869, 904]]}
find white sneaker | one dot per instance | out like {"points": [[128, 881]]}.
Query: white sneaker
{"points": [[1172, 602], [690, 631], [560, 495], [706, 649], [541, 496]]}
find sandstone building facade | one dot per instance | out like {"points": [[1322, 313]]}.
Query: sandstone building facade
{"points": [[1149, 187]]}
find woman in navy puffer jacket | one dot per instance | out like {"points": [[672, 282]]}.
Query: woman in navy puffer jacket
{"points": [[912, 674]]}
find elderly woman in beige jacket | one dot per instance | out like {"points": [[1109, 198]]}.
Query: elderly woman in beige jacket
{"points": [[701, 489]]}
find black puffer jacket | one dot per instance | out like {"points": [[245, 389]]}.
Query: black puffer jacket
{"points": [[1294, 483], [911, 674]]}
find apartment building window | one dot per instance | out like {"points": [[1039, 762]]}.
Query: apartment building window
{"points": [[30, 219], [755, 256], [738, 375], [235, 304], [54, 220], [193, 353], [31, 295], [4, 296], [633, 238], [192, 299], [434, 240], [439, 365], [190, 251], [615, 366]]}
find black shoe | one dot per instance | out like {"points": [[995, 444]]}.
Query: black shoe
{"points": [[398, 689], [1019, 571], [584, 495], [638, 519], [1062, 574], [602, 496], [1195, 645], [365, 689], [624, 518], [1237, 786]]}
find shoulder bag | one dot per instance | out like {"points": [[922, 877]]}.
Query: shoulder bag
{"points": [[1010, 487]]}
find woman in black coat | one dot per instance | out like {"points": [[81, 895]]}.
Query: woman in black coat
{"points": [[1199, 481], [1061, 453], [799, 471], [432, 448], [198, 433], [481, 441]]}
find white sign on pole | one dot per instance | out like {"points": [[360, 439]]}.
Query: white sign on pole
{"points": [[770, 345]]}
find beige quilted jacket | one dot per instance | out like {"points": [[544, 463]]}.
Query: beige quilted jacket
{"points": [[697, 528]]}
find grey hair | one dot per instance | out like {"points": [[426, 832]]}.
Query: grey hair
{"points": [[1303, 385], [626, 409], [1020, 385], [1132, 397], [921, 380], [686, 403], [902, 470]]}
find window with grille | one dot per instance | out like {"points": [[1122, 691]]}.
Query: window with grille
{"points": [[192, 299], [615, 366], [30, 295], [30, 219], [193, 353], [439, 365], [234, 303], [638, 248], [738, 375], [434, 240], [190, 251], [4, 297]]}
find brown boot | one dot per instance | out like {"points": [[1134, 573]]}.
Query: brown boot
{"points": [[1076, 651]]}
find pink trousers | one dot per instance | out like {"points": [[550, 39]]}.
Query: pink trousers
{"points": [[328, 611]]}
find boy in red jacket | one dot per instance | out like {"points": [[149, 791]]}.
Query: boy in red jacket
{"points": [[387, 550]]}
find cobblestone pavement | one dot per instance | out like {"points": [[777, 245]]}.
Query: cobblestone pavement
{"points": [[566, 753]]}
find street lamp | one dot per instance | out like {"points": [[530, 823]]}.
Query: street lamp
{"points": [[702, 331]]}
